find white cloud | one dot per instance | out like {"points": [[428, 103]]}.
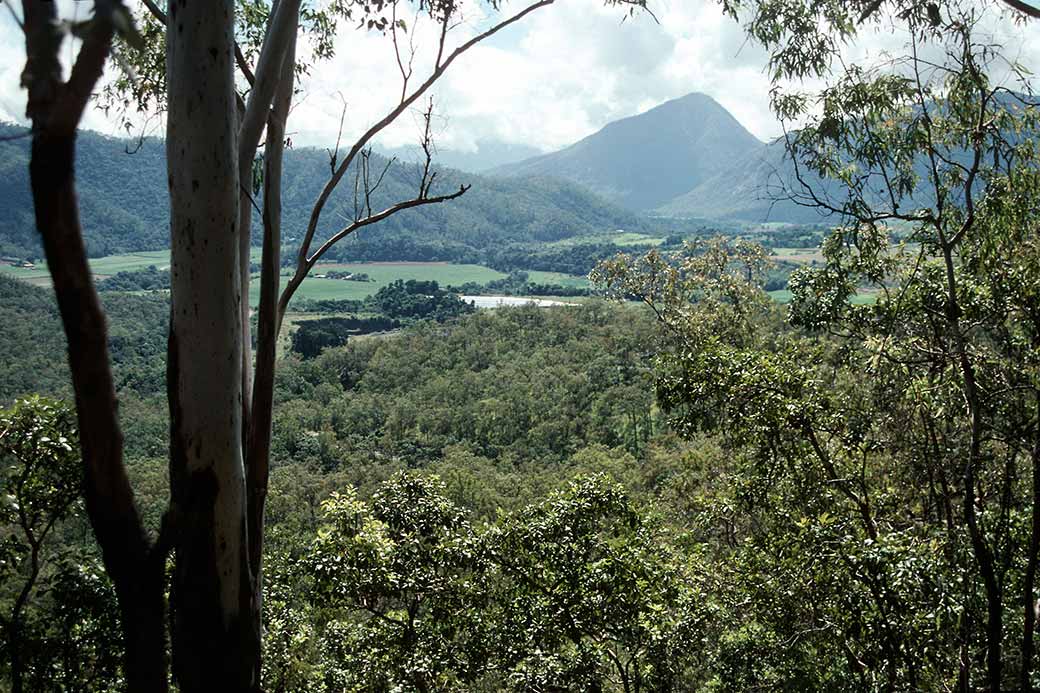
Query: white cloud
{"points": [[559, 75]]}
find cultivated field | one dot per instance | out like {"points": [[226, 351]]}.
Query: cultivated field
{"points": [[861, 298], [102, 266], [801, 256], [623, 238], [536, 277], [381, 273]]}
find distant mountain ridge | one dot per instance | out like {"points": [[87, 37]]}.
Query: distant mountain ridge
{"points": [[646, 160], [689, 158], [125, 208]]}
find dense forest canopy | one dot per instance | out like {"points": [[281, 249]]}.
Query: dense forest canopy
{"points": [[687, 487]]}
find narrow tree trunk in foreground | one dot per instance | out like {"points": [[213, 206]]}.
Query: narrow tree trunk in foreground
{"points": [[1029, 582], [135, 569], [134, 564], [269, 318]]}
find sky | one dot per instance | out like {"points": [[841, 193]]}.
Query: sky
{"points": [[557, 76]]}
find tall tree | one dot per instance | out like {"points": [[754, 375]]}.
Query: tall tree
{"points": [[929, 170], [134, 562], [948, 153], [220, 397], [216, 639]]}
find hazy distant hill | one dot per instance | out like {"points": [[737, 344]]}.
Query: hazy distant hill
{"points": [[487, 155], [754, 187], [751, 188], [644, 161], [125, 208]]}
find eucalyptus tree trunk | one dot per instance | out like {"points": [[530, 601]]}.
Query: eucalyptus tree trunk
{"points": [[216, 642]]}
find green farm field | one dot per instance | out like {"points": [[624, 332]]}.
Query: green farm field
{"points": [[536, 277], [802, 256], [39, 276], [861, 298], [624, 238], [381, 273], [102, 266]]}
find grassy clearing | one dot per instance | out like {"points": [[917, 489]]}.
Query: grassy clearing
{"points": [[104, 266], [624, 238], [381, 273], [630, 238], [38, 276], [802, 256], [864, 297], [112, 264], [536, 277], [100, 266], [385, 272]]}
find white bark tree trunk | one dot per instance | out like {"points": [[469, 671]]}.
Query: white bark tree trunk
{"points": [[214, 640]]}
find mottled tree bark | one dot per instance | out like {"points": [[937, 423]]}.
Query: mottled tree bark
{"points": [[216, 642]]}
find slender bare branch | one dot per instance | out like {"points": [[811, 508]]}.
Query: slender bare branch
{"points": [[390, 117], [334, 154], [1023, 7], [400, 206], [309, 262], [155, 10], [14, 15], [243, 65], [405, 70]]}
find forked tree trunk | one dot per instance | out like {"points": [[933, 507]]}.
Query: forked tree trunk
{"points": [[216, 643]]}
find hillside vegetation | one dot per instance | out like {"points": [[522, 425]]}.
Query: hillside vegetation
{"points": [[124, 205]]}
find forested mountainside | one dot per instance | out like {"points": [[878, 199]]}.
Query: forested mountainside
{"points": [[124, 203], [32, 341], [686, 159], [123, 199]]}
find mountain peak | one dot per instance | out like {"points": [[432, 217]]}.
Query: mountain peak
{"points": [[647, 159], [694, 98]]}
